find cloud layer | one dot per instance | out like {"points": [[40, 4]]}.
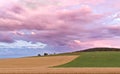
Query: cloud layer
{"points": [[78, 23]]}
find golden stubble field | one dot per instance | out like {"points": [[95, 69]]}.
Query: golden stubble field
{"points": [[43, 65]]}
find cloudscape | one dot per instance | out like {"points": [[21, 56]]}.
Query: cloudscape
{"points": [[37, 26]]}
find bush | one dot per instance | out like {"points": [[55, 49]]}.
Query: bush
{"points": [[39, 55], [45, 54]]}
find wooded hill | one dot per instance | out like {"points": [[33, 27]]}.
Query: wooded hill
{"points": [[100, 49]]}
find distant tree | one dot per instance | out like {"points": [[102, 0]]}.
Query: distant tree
{"points": [[45, 54], [54, 53], [39, 55]]}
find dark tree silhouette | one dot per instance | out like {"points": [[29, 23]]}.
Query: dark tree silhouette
{"points": [[45, 54], [39, 55]]}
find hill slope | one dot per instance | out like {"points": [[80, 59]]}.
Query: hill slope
{"points": [[35, 61], [95, 59]]}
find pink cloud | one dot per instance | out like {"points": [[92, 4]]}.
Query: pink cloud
{"points": [[58, 22], [6, 37], [48, 20]]}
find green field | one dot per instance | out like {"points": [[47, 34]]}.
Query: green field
{"points": [[95, 59]]}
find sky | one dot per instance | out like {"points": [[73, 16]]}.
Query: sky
{"points": [[59, 25]]}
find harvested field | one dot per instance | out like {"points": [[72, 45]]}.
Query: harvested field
{"points": [[43, 65], [39, 70], [33, 64]]}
